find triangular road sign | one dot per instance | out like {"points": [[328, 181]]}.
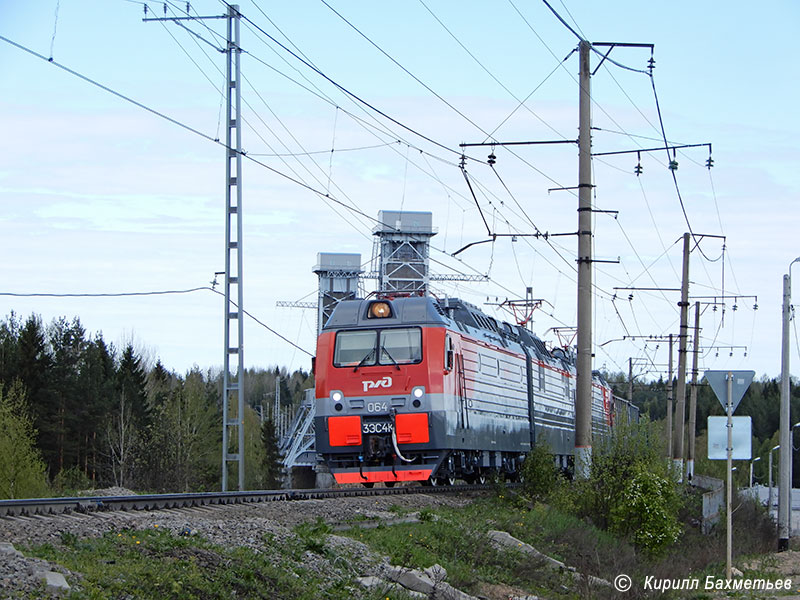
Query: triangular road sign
{"points": [[719, 383]]}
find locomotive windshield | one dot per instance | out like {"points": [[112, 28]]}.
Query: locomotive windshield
{"points": [[378, 347]]}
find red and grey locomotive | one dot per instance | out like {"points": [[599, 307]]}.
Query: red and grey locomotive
{"points": [[421, 389]]}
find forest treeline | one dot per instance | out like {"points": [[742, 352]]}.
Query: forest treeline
{"points": [[77, 413]]}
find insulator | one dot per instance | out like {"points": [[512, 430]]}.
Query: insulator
{"points": [[638, 169], [492, 158], [165, 9], [630, 297], [651, 64], [188, 6], [145, 10], [735, 306], [715, 308], [731, 354], [716, 354], [673, 165], [745, 353], [709, 163], [755, 306]]}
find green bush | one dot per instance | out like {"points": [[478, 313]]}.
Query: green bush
{"points": [[631, 490], [646, 511], [539, 474], [72, 479], [22, 470]]}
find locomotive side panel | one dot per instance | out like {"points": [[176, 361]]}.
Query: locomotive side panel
{"points": [[496, 399], [554, 407]]}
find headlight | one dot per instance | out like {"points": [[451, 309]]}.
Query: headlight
{"points": [[379, 310], [337, 396], [418, 392]]}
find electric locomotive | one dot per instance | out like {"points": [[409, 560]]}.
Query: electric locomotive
{"points": [[421, 389]]}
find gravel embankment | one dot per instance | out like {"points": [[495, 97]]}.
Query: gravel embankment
{"points": [[232, 526]]}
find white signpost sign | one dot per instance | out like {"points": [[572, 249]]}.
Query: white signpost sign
{"points": [[718, 438], [729, 386]]}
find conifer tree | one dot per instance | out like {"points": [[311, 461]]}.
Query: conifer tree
{"points": [[272, 461]]}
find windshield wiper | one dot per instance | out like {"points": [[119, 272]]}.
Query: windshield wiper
{"points": [[394, 362], [363, 360]]}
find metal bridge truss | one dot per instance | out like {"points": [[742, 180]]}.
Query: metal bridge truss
{"points": [[297, 446]]}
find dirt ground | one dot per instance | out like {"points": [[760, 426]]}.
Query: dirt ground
{"points": [[782, 565]]}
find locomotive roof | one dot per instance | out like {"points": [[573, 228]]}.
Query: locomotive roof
{"points": [[449, 312], [415, 310], [453, 312]]}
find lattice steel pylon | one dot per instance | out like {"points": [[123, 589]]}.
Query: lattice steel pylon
{"points": [[233, 385], [338, 275], [401, 252]]}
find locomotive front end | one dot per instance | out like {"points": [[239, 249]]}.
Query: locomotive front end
{"points": [[373, 395]]}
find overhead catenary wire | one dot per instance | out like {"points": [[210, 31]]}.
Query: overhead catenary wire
{"points": [[405, 70], [520, 103], [351, 94]]}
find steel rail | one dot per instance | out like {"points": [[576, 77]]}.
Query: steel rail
{"points": [[87, 504]]}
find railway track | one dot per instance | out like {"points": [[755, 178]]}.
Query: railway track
{"points": [[88, 504]]}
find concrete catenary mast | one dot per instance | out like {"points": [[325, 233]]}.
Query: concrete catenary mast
{"points": [[583, 399]]}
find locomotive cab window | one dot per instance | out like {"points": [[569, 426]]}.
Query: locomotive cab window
{"points": [[355, 347], [378, 347]]}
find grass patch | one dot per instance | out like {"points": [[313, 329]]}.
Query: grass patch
{"points": [[155, 563], [457, 540]]}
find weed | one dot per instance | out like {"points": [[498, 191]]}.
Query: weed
{"points": [[425, 515], [312, 535], [70, 540]]}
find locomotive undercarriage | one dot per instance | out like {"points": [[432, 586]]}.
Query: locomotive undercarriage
{"points": [[378, 452]]}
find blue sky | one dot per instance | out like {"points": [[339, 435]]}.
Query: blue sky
{"points": [[101, 196]]}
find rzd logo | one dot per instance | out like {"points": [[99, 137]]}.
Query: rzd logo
{"points": [[386, 382]]}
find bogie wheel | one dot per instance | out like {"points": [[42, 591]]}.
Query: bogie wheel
{"points": [[368, 484], [389, 483], [481, 478], [450, 480]]}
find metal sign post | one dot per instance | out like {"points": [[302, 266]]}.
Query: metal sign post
{"points": [[730, 385]]}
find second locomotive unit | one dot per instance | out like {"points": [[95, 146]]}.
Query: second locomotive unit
{"points": [[421, 389]]}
